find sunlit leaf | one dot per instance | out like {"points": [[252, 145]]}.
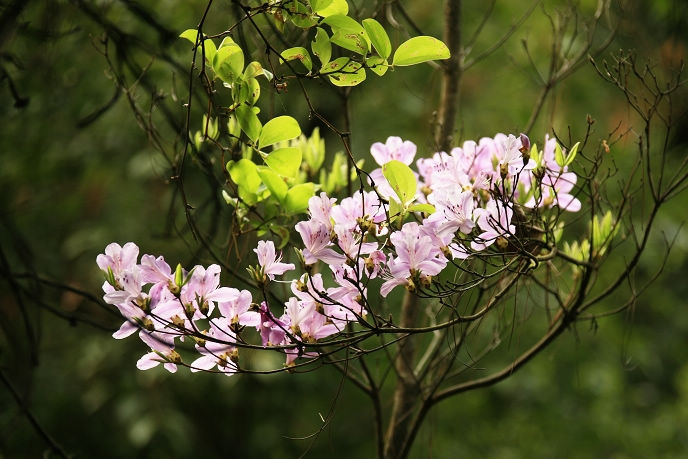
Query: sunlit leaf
{"points": [[332, 8], [245, 174], [278, 188], [284, 161], [378, 37], [300, 54], [279, 129], [228, 63], [401, 179], [248, 121], [321, 46], [420, 49], [297, 198], [377, 65]]}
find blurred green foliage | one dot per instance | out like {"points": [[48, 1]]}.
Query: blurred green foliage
{"points": [[77, 172]]}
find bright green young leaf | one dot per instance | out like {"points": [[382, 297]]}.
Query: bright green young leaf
{"points": [[572, 154], [227, 41], [378, 65], [208, 45], [327, 8], [246, 91], [321, 46], [559, 155], [300, 14], [317, 5], [300, 54], [209, 49], [395, 210], [228, 63], [278, 188], [279, 129], [248, 121], [348, 33], [378, 37], [285, 161], [253, 70], [352, 41], [245, 174], [345, 72], [297, 198], [420, 49], [401, 179], [425, 208], [535, 155], [253, 91], [190, 34]]}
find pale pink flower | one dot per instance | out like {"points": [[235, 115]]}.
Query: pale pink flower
{"points": [[269, 262]]}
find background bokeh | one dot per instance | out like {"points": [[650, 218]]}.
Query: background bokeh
{"points": [[77, 172]]}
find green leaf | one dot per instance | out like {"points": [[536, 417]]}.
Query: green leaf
{"points": [[535, 155], [300, 15], [248, 121], [208, 45], [253, 91], [245, 174], [395, 210], [190, 34], [425, 208], [348, 33], [300, 54], [277, 130], [228, 63], [278, 188], [319, 4], [344, 72], [321, 46], [253, 70], [559, 155], [352, 41], [210, 50], [284, 161], [227, 41], [420, 49], [401, 179], [572, 154], [327, 8], [314, 151], [297, 198], [378, 37], [377, 65]]}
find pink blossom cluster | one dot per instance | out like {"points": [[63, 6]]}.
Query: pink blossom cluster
{"points": [[473, 190]]}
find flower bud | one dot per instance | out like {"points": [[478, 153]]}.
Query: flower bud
{"points": [[178, 321], [446, 251], [174, 357]]}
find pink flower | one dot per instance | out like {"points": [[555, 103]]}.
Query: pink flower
{"points": [[495, 221], [454, 210], [393, 149], [269, 261], [316, 239], [220, 354], [235, 308], [320, 209], [416, 255], [118, 259]]}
